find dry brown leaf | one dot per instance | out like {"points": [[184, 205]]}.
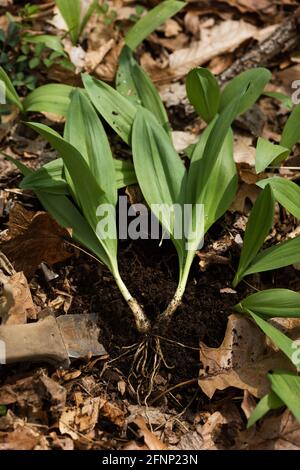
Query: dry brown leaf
{"points": [[244, 151], [16, 304], [213, 434], [182, 139], [274, 433], [111, 412], [257, 6], [34, 238], [242, 360], [220, 39], [246, 193], [80, 420], [21, 438], [150, 439]]}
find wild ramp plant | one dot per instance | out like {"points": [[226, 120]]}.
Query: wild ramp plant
{"points": [[211, 178], [272, 303]]}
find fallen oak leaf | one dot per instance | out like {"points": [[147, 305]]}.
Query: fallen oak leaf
{"points": [[242, 360], [34, 238]]}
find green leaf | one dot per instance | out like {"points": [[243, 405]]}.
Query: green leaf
{"points": [[218, 190], [278, 256], [258, 226], [271, 401], [285, 344], [267, 153], [51, 98], [50, 41], [68, 216], [71, 13], [272, 303], [284, 99], [11, 94], [254, 81], [49, 178], [88, 192], [117, 111], [85, 132], [291, 132], [133, 83], [35, 62], [286, 192], [287, 386], [160, 172], [125, 174], [203, 92], [152, 20]]}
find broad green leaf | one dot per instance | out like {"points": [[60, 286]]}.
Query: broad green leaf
{"points": [[267, 153], [269, 402], [67, 215], [49, 178], [275, 257], [272, 303], [285, 344], [254, 81], [71, 13], [218, 191], [284, 99], [152, 20], [125, 174], [50, 41], [291, 132], [133, 83], [286, 192], [287, 386], [259, 225], [51, 98], [203, 92], [89, 194], [220, 128], [117, 111], [85, 132], [10, 92], [160, 172]]}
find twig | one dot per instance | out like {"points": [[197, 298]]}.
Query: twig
{"points": [[283, 39]]}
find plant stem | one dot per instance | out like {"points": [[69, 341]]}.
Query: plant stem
{"points": [[141, 320], [176, 301]]}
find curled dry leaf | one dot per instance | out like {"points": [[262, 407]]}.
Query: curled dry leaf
{"points": [[274, 433], [16, 304], [213, 434], [151, 441], [80, 420], [242, 360], [111, 412], [33, 238], [219, 39], [23, 437]]}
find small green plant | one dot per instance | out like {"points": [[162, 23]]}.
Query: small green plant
{"points": [[22, 53], [264, 305]]}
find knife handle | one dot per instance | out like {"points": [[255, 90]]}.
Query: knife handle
{"points": [[33, 342]]}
